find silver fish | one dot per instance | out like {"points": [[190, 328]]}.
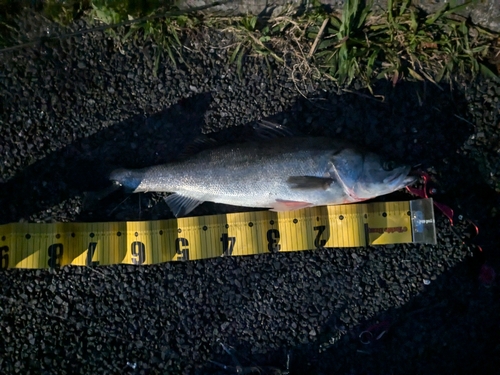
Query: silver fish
{"points": [[282, 174]]}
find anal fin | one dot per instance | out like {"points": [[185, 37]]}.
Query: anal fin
{"points": [[284, 205], [181, 205]]}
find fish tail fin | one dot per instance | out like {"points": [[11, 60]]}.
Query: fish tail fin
{"points": [[129, 179]]}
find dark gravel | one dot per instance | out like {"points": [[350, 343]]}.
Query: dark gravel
{"points": [[71, 111]]}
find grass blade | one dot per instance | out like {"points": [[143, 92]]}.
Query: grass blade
{"points": [[239, 63], [485, 71], [433, 18], [234, 54], [415, 75]]}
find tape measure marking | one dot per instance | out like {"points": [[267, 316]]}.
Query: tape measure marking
{"points": [[25, 245]]}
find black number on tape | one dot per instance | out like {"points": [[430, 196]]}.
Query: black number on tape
{"points": [[273, 236], [184, 252], [318, 242], [138, 250], [90, 255], [227, 244], [55, 255], [4, 255]]}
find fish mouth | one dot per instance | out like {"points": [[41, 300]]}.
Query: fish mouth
{"points": [[414, 175], [408, 180], [402, 177]]}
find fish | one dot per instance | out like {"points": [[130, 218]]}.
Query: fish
{"points": [[281, 174]]}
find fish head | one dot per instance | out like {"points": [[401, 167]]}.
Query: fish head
{"points": [[368, 175]]}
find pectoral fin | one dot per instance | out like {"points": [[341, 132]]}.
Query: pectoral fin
{"points": [[309, 182], [181, 205], [282, 205]]}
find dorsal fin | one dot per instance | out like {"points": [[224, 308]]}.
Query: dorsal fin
{"points": [[256, 131], [265, 129], [201, 143]]}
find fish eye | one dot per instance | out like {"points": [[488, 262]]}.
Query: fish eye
{"points": [[389, 165]]}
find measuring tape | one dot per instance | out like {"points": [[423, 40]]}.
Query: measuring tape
{"points": [[26, 245]]}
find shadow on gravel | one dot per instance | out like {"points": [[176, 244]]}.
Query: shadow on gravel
{"points": [[450, 327], [418, 123], [84, 166]]}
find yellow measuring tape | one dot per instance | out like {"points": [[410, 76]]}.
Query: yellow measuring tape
{"points": [[26, 245]]}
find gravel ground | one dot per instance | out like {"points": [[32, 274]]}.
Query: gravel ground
{"points": [[73, 110]]}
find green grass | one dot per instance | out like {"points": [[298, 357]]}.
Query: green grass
{"points": [[357, 44], [250, 39]]}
